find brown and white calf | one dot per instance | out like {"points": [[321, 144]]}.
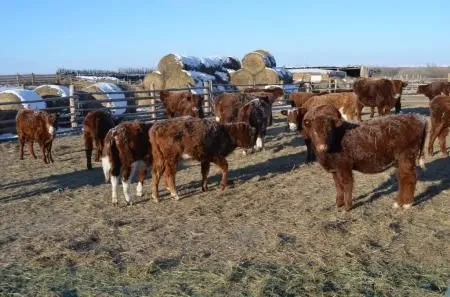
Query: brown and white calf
{"points": [[434, 89], [227, 106], [95, 126], [256, 114], [203, 140], [40, 126], [372, 147], [346, 103], [178, 104], [440, 123], [126, 150]]}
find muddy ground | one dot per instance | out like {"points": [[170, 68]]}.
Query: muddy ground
{"points": [[275, 231]]}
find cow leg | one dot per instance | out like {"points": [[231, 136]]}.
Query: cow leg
{"points": [[359, 112], [31, 148], [442, 143], [114, 173], [398, 105], [88, 145], [42, 146], [157, 171], [21, 144], [345, 178], [49, 151], [126, 183], [170, 173], [372, 112], [380, 110], [205, 171], [259, 143], [222, 163], [339, 190], [310, 157], [406, 177], [435, 131], [99, 149], [142, 173]]}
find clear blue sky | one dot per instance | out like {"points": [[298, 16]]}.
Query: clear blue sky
{"points": [[40, 36]]}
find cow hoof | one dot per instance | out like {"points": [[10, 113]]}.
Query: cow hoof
{"points": [[115, 204], [407, 206], [395, 205], [155, 199], [244, 153], [176, 197]]}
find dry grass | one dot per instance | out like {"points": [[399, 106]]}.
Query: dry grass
{"points": [[274, 232]]}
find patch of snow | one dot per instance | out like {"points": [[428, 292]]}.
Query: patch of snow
{"points": [[223, 76], [62, 91], [27, 95], [6, 136], [200, 76], [97, 78], [109, 87]]}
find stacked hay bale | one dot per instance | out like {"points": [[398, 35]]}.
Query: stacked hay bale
{"points": [[100, 91], [259, 67], [53, 91]]}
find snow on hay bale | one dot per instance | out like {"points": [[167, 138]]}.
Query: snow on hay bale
{"points": [[273, 76], [51, 91], [242, 77], [19, 99], [183, 79], [154, 80], [172, 63], [256, 61], [100, 91]]}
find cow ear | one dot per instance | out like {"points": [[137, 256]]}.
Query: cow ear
{"points": [[284, 112]]}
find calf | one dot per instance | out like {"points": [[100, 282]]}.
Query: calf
{"points": [[227, 105], [179, 104], [296, 99], [346, 103], [256, 113], [95, 126], [440, 123], [200, 139], [126, 149], [34, 125], [377, 93], [434, 89], [371, 147], [272, 93]]}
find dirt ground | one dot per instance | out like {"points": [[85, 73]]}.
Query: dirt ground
{"points": [[275, 231]]}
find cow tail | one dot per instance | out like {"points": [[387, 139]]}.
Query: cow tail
{"points": [[110, 155], [421, 155]]}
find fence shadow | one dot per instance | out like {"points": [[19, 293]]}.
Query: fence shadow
{"points": [[420, 110]]}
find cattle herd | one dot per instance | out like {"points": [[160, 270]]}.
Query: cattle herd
{"points": [[329, 123]]}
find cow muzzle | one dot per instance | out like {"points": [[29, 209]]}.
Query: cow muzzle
{"points": [[292, 127], [322, 148]]}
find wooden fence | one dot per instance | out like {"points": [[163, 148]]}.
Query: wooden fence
{"points": [[29, 79]]}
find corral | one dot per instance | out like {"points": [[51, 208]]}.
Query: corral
{"points": [[273, 232]]}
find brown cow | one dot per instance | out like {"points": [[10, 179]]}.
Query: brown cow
{"points": [[126, 149], [296, 99], [377, 93], [371, 147], [256, 113], [346, 103], [34, 125], [227, 105], [178, 104], [203, 140], [95, 126], [273, 93], [434, 89], [440, 123]]}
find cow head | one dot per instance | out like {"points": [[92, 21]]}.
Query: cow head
{"points": [[422, 89], [320, 123], [243, 134], [51, 122], [294, 118], [192, 105]]}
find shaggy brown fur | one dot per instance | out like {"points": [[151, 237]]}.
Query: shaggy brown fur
{"points": [[434, 89], [272, 93], [126, 148], [440, 123], [371, 147], [256, 113], [227, 105], [34, 125], [346, 103], [296, 99], [200, 139], [377, 93], [178, 104], [95, 126]]}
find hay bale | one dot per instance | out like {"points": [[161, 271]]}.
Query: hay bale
{"points": [[154, 80], [184, 79], [242, 77], [273, 76], [138, 94], [102, 89], [19, 98], [256, 61], [52, 91]]}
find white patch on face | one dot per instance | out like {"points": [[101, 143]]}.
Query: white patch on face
{"points": [[139, 189], [114, 186], [322, 147], [106, 165], [292, 126], [259, 143], [126, 190], [186, 156], [217, 119], [51, 130]]}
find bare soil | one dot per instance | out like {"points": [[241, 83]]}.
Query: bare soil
{"points": [[275, 231]]}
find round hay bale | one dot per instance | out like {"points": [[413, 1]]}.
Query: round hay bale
{"points": [[52, 91], [140, 94], [154, 80], [184, 79], [242, 79], [101, 90], [273, 76], [19, 98], [256, 61], [169, 64]]}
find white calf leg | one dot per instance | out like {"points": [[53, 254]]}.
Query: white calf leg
{"points": [[139, 190], [126, 191], [115, 186]]}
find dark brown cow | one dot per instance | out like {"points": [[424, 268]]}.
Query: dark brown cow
{"points": [[256, 113], [203, 140], [440, 123], [178, 104], [126, 149], [95, 126], [377, 93], [40, 126], [434, 89], [227, 105], [371, 147], [273, 94]]}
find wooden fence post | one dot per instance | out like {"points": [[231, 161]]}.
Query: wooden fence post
{"points": [[73, 107], [18, 79], [152, 102], [207, 97], [32, 79], [448, 78]]}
